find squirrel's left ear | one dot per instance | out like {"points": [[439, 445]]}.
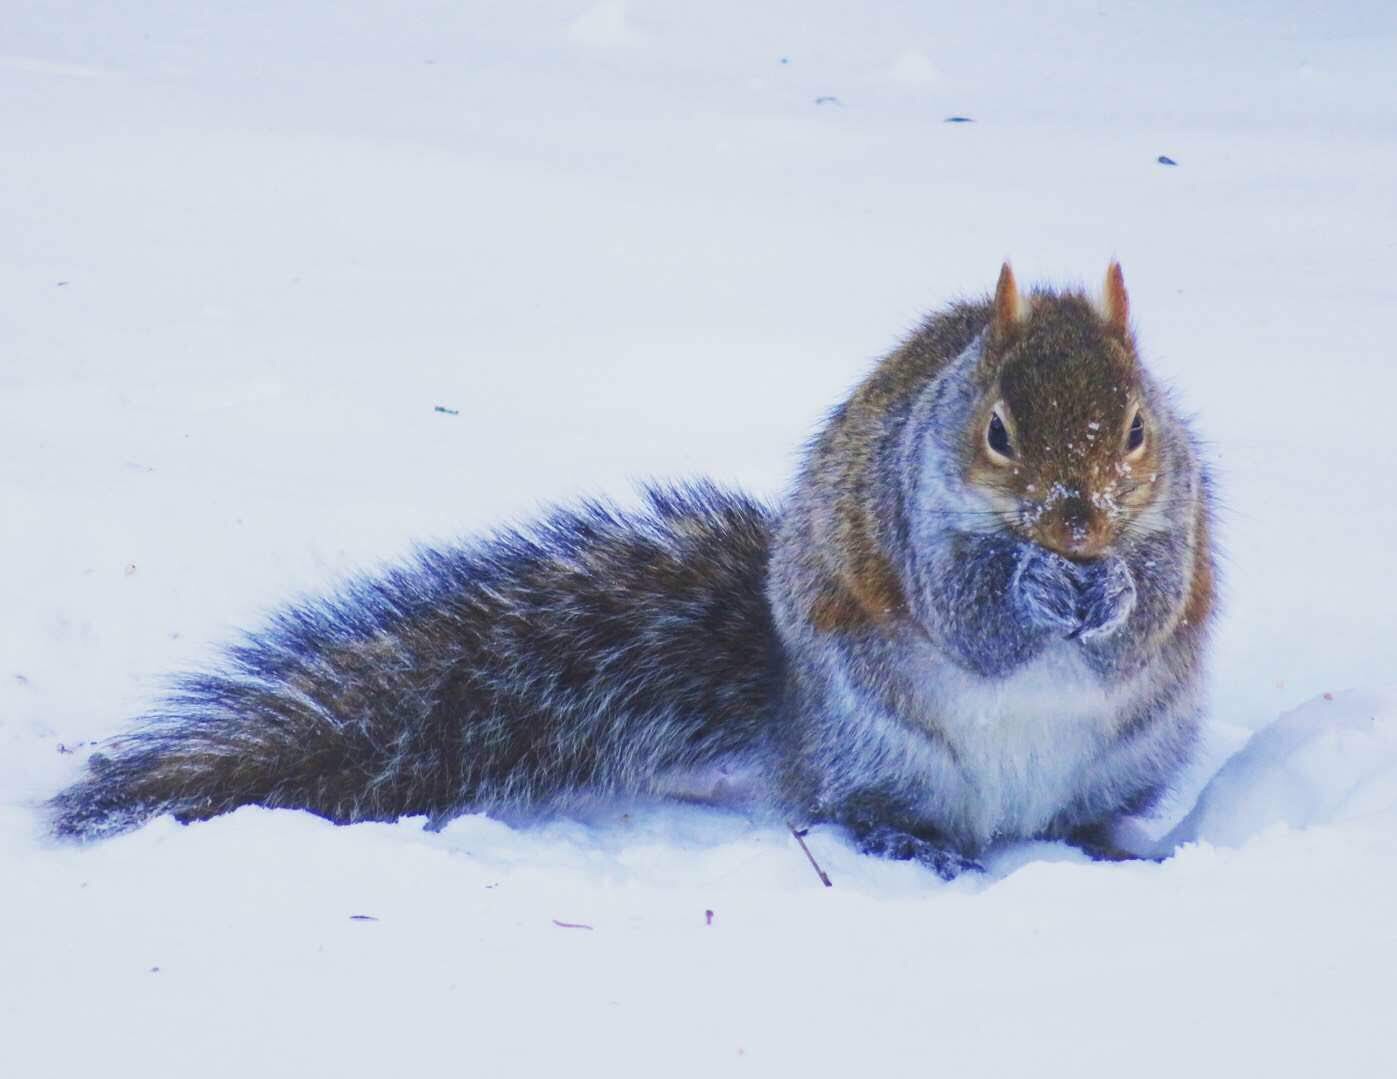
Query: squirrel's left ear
{"points": [[1114, 304], [1009, 309]]}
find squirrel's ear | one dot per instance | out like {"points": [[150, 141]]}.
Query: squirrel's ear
{"points": [[1114, 304], [1010, 308]]}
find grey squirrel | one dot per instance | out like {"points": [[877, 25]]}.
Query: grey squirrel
{"points": [[979, 616]]}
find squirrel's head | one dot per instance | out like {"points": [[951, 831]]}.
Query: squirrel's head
{"points": [[1026, 417], [1063, 443]]}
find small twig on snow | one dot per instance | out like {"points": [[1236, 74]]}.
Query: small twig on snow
{"points": [[800, 838]]}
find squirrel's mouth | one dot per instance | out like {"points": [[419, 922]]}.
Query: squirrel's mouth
{"points": [[1071, 523]]}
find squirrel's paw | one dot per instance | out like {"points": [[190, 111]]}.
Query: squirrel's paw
{"points": [[1098, 844], [889, 842], [1046, 590], [1107, 598]]}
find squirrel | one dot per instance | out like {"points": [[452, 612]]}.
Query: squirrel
{"points": [[980, 616]]}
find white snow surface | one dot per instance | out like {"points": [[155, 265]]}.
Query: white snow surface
{"points": [[246, 250]]}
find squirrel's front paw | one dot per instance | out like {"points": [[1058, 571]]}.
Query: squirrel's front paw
{"points": [[1107, 598], [1045, 590]]}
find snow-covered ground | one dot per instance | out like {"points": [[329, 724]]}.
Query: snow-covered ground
{"points": [[247, 250]]}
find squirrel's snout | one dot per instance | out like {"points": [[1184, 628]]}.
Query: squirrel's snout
{"points": [[1075, 529]]}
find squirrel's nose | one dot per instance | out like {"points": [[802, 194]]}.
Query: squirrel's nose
{"points": [[1077, 531], [1083, 547]]}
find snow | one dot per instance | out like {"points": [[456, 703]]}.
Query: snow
{"points": [[1332, 762], [247, 251]]}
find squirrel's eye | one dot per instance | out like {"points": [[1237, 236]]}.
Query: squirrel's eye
{"points": [[997, 438], [1135, 437]]}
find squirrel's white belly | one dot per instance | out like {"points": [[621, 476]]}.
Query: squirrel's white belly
{"points": [[1021, 747]]}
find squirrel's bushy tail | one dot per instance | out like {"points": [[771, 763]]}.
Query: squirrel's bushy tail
{"points": [[238, 739], [586, 656]]}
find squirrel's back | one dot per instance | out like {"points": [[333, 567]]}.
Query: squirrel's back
{"points": [[591, 655]]}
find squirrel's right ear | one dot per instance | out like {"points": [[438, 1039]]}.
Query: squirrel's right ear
{"points": [[1114, 304], [1010, 308]]}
